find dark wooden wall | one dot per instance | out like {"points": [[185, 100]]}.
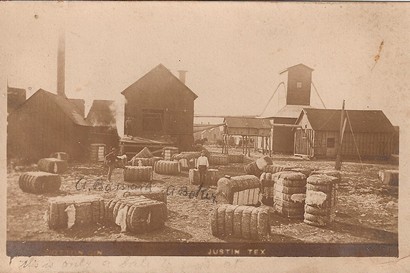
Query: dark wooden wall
{"points": [[177, 109], [369, 145], [41, 128], [299, 96], [283, 137]]}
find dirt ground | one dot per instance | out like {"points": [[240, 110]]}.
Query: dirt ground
{"points": [[365, 212]]}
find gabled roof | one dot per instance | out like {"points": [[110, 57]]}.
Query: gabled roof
{"points": [[364, 121], [290, 111], [68, 108], [102, 113], [159, 77], [302, 65], [244, 122]]}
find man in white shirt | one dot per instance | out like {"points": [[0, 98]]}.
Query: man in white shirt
{"points": [[202, 165]]}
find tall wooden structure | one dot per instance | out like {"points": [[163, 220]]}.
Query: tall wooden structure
{"points": [[160, 105], [368, 133], [298, 94]]}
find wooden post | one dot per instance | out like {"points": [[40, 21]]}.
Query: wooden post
{"points": [[243, 144], [338, 163], [271, 141]]}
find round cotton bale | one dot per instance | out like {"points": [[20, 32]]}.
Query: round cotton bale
{"points": [[167, 167], [321, 179], [263, 161], [253, 169], [211, 177], [138, 174], [60, 155], [39, 182], [52, 165], [89, 209], [142, 214], [236, 158], [218, 159]]}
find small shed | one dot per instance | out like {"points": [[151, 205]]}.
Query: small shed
{"points": [[44, 124], [368, 133], [160, 104], [104, 125], [247, 127]]}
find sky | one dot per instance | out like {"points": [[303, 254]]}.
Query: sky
{"points": [[233, 52]]}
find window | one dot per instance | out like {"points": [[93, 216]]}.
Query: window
{"points": [[298, 84], [330, 142], [152, 120]]}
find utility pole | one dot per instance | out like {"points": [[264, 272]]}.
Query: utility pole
{"points": [[338, 164]]}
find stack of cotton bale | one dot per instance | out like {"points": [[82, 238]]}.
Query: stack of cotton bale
{"points": [[78, 210], [333, 173], [290, 190], [39, 182], [167, 167], [136, 214], [211, 177], [257, 167], [138, 173], [52, 165], [320, 199], [241, 221]]}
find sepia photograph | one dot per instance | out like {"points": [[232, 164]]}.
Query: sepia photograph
{"points": [[202, 129]]}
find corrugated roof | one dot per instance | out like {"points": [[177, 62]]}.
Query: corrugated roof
{"points": [[364, 121], [290, 111], [243, 122], [102, 113], [69, 108], [159, 77]]}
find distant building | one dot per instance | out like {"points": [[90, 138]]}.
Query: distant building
{"points": [[104, 125], [46, 123], [15, 97], [160, 105], [298, 96], [212, 133], [318, 135]]}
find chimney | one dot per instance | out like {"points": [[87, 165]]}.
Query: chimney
{"points": [[61, 64], [182, 75]]}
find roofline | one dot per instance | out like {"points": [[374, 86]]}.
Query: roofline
{"points": [[189, 89], [283, 71]]}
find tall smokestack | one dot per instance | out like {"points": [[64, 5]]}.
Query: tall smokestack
{"points": [[61, 64], [182, 75]]}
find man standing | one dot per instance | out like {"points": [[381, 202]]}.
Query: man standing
{"points": [[202, 165], [110, 160]]}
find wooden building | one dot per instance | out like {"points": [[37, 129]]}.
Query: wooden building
{"points": [[159, 104], [46, 123], [370, 134], [15, 97], [248, 128], [298, 94], [104, 125]]}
